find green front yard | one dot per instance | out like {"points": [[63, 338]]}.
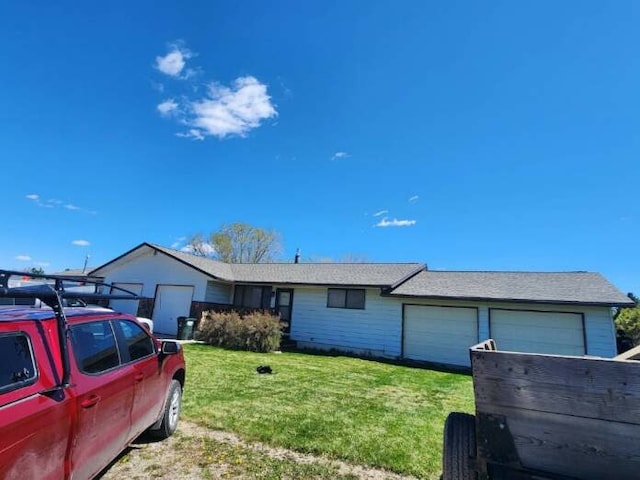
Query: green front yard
{"points": [[360, 411]]}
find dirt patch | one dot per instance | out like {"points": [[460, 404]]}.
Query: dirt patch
{"points": [[196, 453]]}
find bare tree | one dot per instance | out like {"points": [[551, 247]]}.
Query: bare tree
{"points": [[244, 243], [199, 246]]}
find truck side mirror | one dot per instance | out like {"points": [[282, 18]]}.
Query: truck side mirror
{"points": [[169, 347]]}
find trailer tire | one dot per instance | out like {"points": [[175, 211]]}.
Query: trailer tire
{"points": [[459, 447]]}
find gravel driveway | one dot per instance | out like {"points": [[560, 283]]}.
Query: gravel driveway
{"points": [[198, 453]]}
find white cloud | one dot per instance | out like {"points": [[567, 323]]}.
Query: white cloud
{"points": [[178, 242], [395, 223], [380, 212], [204, 247], [157, 86], [81, 243], [173, 63], [220, 112], [23, 258], [55, 203], [338, 155], [42, 264], [413, 199], [167, 107], [231, 110], [191, 133]]}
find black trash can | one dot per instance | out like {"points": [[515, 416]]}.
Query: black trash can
{"points": [[185, 328]]}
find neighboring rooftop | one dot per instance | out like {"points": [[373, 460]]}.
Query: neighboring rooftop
{"points": [[75, 272], [548, 287]]}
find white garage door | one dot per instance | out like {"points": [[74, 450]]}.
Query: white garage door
{"points": [[125, 306], [439, 334], [172, 301], [537, 332]]}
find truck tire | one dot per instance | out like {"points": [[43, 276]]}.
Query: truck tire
{"points": [[459, 447], [171, 412]]}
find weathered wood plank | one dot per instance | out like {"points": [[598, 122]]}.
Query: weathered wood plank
{"points": [[633, 354], [586, 387], [585, 448]]}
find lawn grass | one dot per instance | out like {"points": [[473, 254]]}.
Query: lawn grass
{"points": [[361, 411]]}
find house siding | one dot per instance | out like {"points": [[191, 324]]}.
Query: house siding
{"points": [[600, 332], [151, 270], [599, 328], [376, 330], [598, 321]]}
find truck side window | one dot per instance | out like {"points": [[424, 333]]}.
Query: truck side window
{"points": [[138, 341], [94, 346], [17, 366]]}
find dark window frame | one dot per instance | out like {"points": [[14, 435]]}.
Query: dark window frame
{"points": [[349, 294], [16, 385], [241, 293]]}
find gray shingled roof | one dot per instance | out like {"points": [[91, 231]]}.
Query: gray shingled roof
{"points": [[413, 280], [548, 287], [209, 266], [361, 274]]}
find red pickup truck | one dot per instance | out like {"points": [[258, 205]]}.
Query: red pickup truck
{"points": [[77, 386]]}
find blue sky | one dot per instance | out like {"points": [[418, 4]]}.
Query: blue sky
{"points": [[466, 135]]}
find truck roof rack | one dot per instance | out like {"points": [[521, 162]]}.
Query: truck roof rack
{"points": [[51, 291], [57, 286]]}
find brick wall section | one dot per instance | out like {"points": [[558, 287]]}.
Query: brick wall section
{"points": [[145, 307], [198, 307]]}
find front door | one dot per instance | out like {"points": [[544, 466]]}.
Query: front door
{"points": [[284, 302]]}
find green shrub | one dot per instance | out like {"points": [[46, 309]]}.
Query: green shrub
{"points": [[255, 331], [628, 321]]}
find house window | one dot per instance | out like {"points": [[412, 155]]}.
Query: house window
{"points": [[252, 296], [346, 298]]}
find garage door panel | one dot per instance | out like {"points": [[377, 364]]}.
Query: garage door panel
{"points": [[125, 306], [171, 302], [439, 334], [538, 332]]}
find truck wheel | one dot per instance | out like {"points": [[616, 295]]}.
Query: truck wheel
{"points": [[171, 412], [459, 446]]}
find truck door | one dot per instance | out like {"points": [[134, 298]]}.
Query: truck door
{"points": [[35, 422], [104, 394], [139, 352]]}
